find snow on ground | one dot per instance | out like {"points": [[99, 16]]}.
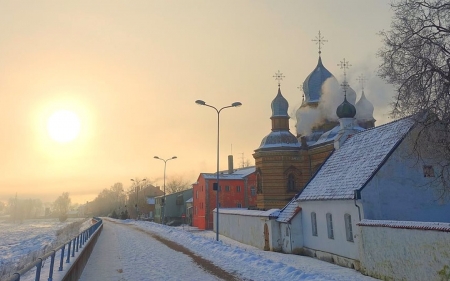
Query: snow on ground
{"points": [[247, 262], [19, 241]]}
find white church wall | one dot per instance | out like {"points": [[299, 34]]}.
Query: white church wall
{"points": [[400, 191], [324, 247], [244, 226], [390, 250]]}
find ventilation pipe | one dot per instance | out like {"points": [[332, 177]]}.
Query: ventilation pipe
{"points": [[230, 164]]}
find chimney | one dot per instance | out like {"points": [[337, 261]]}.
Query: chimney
{"points": [[303, 142], [230, 164]]}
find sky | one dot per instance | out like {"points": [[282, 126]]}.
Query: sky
{"points": [[132, 71]]}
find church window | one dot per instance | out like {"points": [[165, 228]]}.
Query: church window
{"points": [[227, 188], [239, 205], [238, 188], [314, 224], [291, 182], [253, 191], [196, 194], [348, 227], [428, 171], [287, 230], [330, 226]]}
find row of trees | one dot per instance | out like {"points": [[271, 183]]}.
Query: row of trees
{"points": [[22, 209], [119, 202]]}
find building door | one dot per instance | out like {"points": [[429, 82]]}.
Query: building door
{"points": [[266, 238]]}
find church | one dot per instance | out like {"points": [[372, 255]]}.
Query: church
{"points": [[285, 162]]}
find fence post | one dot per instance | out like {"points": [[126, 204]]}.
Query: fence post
{"points": [[73, 247], [52, 263], [38, 270], [62, 258]]}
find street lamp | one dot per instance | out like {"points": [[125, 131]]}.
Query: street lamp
{"points": [[164, 197], [137, 195], [234, 104]]}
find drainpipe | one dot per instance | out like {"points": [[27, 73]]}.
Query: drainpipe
{"points": [[357, 195], [290, 236]]}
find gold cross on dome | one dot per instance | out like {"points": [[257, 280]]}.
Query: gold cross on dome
{"points": [[278, 76], [319, 41], [361, 80], [345, 86]]}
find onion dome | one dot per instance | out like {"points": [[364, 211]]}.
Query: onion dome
{"points": [[346, 110], [312, 86], [279, 140], [364, 109], [280, 106]]}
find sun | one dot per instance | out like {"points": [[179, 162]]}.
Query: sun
{"points": [[63, 126]]}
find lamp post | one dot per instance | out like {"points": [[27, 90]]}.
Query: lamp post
{"points": [[137, 195], [234, 104], [164, 197]]}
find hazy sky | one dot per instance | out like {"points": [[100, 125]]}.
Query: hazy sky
{"points": [[132, 70]]}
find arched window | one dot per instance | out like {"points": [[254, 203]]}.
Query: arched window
{"points": [[259, 182], [330, 226], [291, 182], [348, 227]]}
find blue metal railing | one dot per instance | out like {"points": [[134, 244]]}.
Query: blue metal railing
{"points": [[74, 245]]}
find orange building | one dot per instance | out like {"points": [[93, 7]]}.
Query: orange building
{"points": [[237, 190]]}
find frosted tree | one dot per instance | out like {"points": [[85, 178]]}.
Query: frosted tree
{"points": [[416, 60]]}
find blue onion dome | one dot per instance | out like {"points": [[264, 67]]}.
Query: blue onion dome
{"points": [[312, 87], [280, 106], [346, 110], [279, 140], [364, 109]]}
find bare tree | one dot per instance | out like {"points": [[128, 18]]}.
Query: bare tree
{"points": [[416, 60], [61, 206], [177, 184]]}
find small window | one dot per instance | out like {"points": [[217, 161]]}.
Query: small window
{"points": [[314, 224], [253, 191], [227, 188], [330, 226], [348, 227], [180, 200], [428, 171], [239, 205], [238, 188], [196, 194]]}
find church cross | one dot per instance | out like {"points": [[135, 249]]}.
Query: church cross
{"points": [[345, 86], [344, 65], [319, 41], [278, 76], [361, 80]]}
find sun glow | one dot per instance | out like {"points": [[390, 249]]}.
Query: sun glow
{"points": [[63, 126]]}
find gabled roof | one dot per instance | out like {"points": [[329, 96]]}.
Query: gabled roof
{"points": [[351, 167], [224, 175], [289, 211]]}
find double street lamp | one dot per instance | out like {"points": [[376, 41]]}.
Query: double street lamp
{"points": [[234, 104], [164, 197], [137, 195]]}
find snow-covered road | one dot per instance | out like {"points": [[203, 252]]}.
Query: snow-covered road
{"points": [[124, 253], [133, 251]]}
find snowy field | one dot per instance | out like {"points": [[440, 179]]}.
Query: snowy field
{"points": [[133, 257], [21, 242]]}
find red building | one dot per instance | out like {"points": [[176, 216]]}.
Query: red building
{"points": [[237, 190]]}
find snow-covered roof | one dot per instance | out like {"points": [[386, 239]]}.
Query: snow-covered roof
{"points": [[190, 200], [289, 211], [439, 226], [246, 212], [350, 167], [331, 134], [236, 175]]}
